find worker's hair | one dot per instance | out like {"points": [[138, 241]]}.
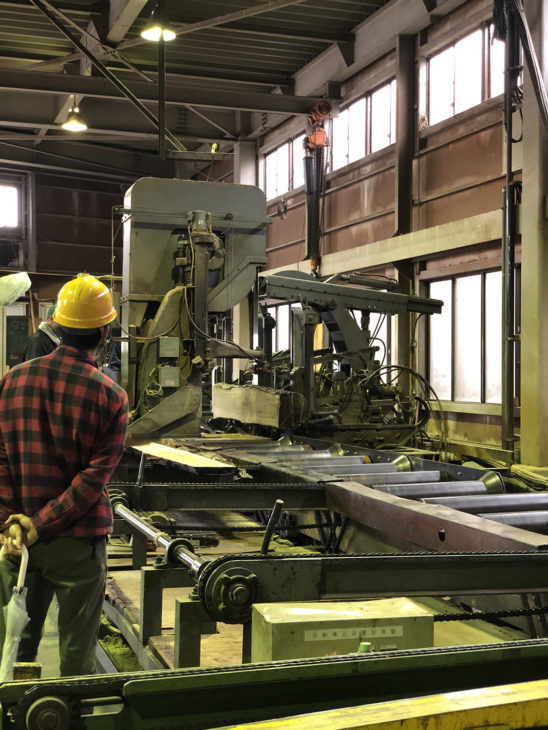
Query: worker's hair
{"points": [[87, 341]]}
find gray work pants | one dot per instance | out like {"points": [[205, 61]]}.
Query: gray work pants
{"points": [[74, 570]]}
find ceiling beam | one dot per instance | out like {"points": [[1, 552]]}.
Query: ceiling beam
{"points": [[36, 82], [374, 37], [185, 28], [65, 7], [71, 100], [122, 14], [265, 30]]}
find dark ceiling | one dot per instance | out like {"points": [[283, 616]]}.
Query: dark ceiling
{"points": [[232, 62]]}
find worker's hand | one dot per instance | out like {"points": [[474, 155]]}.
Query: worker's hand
{"points": [[12, 539], [20, 530]]}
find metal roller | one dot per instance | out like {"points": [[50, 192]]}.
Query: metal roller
{"points": [[532, 521], [305, 455], [363, 469], [275, 448], [179, 551], [398, 477], [494, 503], [319, 458], [339, 461], [416, 491]]}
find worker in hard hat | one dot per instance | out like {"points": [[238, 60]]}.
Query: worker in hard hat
{"points": [[62, 432], [45, 339]]}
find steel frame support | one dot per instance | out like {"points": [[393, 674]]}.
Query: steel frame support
{"points": [[127, 93], [509, 242], [191, 621], [429, 526], [153, 582], [35, 81], [405, 121], [243, 497]]}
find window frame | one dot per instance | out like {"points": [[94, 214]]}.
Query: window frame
{"points": [[18, 182], [367, 97], [291, 161], [483, 370], [486, 28]]}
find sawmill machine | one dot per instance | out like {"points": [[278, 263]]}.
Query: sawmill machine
{"points": [[191, 252], [350, 394]]}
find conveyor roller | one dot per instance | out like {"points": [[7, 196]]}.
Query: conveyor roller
{"points": [[299, 460], [416, 491], [494, 503], [533, 521], [362, 469], [400, 477], [274, 448]]}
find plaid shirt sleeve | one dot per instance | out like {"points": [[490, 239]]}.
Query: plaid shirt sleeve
{"points": [[7, 498], [88, 485]]}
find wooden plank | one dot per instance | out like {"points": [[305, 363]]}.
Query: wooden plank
{"points": [[180, 456]]}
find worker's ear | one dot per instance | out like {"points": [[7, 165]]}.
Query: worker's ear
{"points": [[104, 336]]}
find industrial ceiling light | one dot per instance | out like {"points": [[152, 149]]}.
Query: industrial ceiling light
{"points": [[74, 122], [157, 26]]}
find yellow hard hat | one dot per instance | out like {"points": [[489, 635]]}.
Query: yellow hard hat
{"points": [[84, 303]]}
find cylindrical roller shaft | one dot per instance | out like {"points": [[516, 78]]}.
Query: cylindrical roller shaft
{"points": [[494, 502], [532, 521], [275, 449], [399, 477], [415, 491], [320, 463], [183, 555], [304, 455], [360, 469]]}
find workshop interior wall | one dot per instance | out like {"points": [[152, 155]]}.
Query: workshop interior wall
{"points": [[458, 172], [73, 225], [66, 228]]}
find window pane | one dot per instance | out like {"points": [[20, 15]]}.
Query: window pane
{"points": [[393, 111], [381, 125], [9, 207], [271, 177], [468, 71], [340, 140], [493, 335], [282, 327], [298, 161], [423, 111], [282, 154], [356, 130], [468, 338], [440, 340], [496, 67], [261, 182], [441, 86]]}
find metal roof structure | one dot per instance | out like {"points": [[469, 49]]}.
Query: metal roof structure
{"points": [[230, 73]]}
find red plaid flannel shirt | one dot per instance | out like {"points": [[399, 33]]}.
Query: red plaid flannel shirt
{"points": [[62, 431]]}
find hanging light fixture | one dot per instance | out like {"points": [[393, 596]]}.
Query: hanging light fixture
{"points": [[74, 122], [157, 26]]}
